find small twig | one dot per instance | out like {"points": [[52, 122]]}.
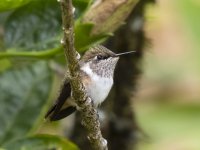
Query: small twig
{"points": [[87, 110]]}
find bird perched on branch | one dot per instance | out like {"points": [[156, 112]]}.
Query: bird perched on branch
{"points": [[97, 69]]}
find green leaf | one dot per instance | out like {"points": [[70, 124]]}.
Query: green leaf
{"points": [[37, 27], [188, 13], [4, 64], [41, 142], [11, 4], [84, 38], [34, 26], [24, 92], [81, 6]]}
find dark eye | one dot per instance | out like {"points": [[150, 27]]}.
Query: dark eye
{"points": [[100, 57]]}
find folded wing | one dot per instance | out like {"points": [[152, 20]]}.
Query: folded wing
{"points": [[60, 110]]}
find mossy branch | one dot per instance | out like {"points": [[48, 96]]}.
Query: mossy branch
{"points": [[88, 112]]}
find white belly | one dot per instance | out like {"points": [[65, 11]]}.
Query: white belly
{"points": [[99, 87]]}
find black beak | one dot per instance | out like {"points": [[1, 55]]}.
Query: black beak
{"points": [[124, 53]]}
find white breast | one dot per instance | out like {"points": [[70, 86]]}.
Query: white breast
{"points": [[100, 86]]}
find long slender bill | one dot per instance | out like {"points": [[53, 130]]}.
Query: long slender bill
{"points": [[125, 53]]}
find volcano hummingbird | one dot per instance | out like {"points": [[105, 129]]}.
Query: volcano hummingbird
{"points": [[97, 69]]}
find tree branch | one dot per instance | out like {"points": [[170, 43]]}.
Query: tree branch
{"points": [[88, 112]]}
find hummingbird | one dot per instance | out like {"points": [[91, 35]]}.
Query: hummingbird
{"points": [[97, 70]]}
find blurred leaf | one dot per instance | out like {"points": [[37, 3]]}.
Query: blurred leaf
{"points": [[188, 13], [170, 125], [4, 64], [41, 142], [83, 37], [37, 27], [11, 4], [24, 93], [34, 26], [81, 6], [189, 10]]}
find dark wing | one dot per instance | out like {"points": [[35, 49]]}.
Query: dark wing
{"points": [[56, 112]]}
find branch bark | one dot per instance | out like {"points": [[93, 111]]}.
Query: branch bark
{"points": [[88, 112]]}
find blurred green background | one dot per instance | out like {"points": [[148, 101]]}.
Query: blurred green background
{"points": [[167, 105]]}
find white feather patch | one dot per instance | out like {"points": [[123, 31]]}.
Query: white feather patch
{"points": [[100, 86]]}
